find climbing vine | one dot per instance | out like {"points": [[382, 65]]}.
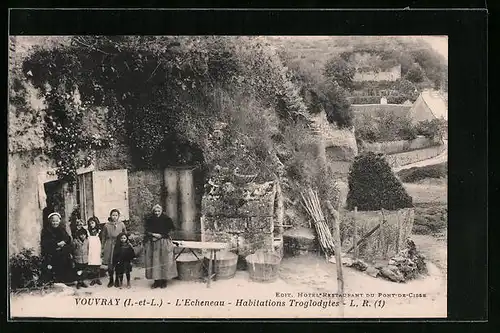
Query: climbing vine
{"points": [[158, 93]]}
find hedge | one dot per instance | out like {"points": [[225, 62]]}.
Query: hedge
{"points": [[373, 185], [415, 174]]}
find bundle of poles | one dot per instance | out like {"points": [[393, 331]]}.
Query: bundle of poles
{"points": [[312, 205]]}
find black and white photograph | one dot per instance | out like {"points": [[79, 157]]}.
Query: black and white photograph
{"points": [[220, 176]]}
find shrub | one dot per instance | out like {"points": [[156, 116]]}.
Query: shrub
{"points": [[431, 129], [415, 174], [373, 185], [25, 270]]}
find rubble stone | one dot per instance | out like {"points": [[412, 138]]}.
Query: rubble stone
{"points": [[360, 265], [372, 271], [392, 273]]}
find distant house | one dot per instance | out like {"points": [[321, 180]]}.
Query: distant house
{"points": [[428, 106]]}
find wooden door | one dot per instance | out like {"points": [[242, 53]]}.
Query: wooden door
{"points": [[110, 191]]}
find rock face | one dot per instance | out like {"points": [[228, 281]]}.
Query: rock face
{"points": [[240, 214]]}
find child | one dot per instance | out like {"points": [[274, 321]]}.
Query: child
{"points": [[79, 225], [80, 256], [94, 229], [122, 256]]}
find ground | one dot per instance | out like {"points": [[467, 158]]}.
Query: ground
{"points": [[307, 273], [303, 274]]}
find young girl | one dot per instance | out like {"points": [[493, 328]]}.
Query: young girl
{"points": [[122, 257], [108, 235], [94, 229], [80, 256]]}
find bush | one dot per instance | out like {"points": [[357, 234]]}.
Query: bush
{"points": [[373, 185], [413, 175], [430, 219], [383, 125], [431, 129], [25, 270]]}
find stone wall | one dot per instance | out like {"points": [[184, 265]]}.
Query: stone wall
{"points": [[25, 219], [400, 159], [399, 146], [242, 216], [145, 190]]}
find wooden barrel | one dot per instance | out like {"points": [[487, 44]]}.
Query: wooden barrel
{"points": [[263, 267], [225, 265], [189, 267]]}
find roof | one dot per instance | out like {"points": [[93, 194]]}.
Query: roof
{"points": [[436, 103]]}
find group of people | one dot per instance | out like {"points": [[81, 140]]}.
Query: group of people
{"points": [[90, 246]]}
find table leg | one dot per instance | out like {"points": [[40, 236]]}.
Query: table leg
{"points": [[209, 269], [180, 253]]}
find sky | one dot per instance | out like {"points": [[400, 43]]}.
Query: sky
{"points": [[438, 43]]}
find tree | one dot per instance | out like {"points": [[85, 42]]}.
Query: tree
{"points": [[406, 88], [373, 185], [415, 74], [339, 70]]}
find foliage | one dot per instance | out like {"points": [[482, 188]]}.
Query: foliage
{"points": [[340, 71], [406, 89], [323, 89], [415, 74], [373, 185], [159, 92], [415, 174], [384, 126], [432, 129], [25, 270], [430, 219]]}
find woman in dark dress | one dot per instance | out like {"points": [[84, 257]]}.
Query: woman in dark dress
{"points": [[159, 250], [56, 250]]}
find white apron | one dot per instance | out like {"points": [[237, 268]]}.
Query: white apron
{"points": [[94, 250]]}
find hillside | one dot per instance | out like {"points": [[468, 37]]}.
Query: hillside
{"points": [[412, 53]]}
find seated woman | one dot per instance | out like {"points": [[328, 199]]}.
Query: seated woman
{"points": [[56, 250]]}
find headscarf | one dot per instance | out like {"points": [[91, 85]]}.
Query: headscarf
{"points": [[53, 214], [157, 206]]}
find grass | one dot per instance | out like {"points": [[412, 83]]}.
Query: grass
{"points": [[416, 174], [430, 219]]}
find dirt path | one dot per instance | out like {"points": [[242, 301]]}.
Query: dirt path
{"points": [[305, 274]]}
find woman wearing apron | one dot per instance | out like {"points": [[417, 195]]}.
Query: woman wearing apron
{"points": [[159, 250]]}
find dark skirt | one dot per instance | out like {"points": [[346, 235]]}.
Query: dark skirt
{"points": [[62, 266], [123, 267], [159, 259]]}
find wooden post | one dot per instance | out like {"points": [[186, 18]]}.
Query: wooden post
{"points": [[355, 236], [170, 181], [187, 204], [398, 245], [280, 211], [338, 254]]}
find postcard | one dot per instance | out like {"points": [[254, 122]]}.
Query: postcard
{"points": [[227, 176]]}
